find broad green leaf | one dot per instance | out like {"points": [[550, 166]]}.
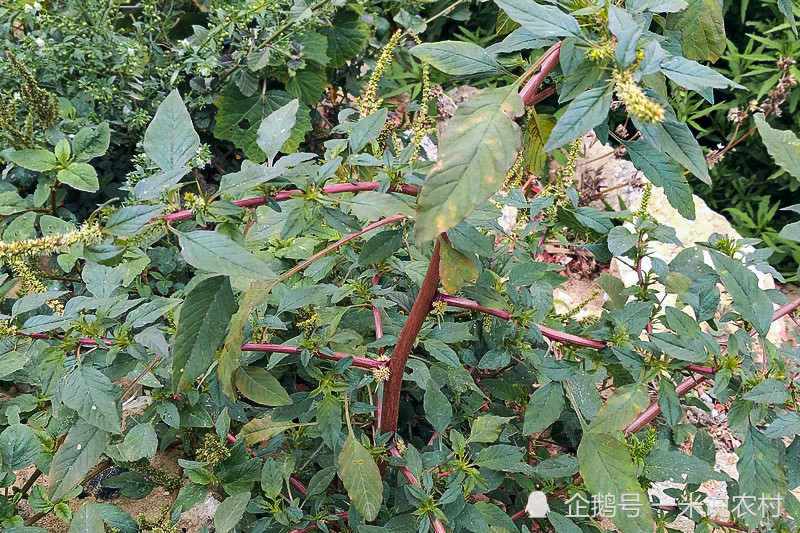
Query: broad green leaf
{"points": [[12, 361], [201, 328], [170, 140], [259, 386], [438, 410], [29, 302], [476, 151], [752, 303], [702, 29], [668, 402], [455, 269], [620, 240], [487, 428], [79, 452], [89, 392], [347, 35], [329, 419], [785, 7], [627, 32], [374, 205], [129, 220], [540, 20], [367, 130], [80, 176], [620, 409], [91, 142], [361, 478], [501, 457], [663, 171], [131, 484], [544, 408], [678, 142], [759, 471], [790, 232], [768, 391], [586, 112], [230, 512], [215, 252], [38, 160], [562, 465], [786, 425], [672, 465], [562, 524], [380, 247], [239, 118], [11, 202], [87, 520], [19, 446], [680, 347], [276, 129], [141, 442], [783, 146], [458, 58], [539, 129], [308, 84], [154, 186], [116, 517], [607, 468], [263, 429], [694, 76]]}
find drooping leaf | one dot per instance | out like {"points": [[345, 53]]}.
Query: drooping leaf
{"points": [[785, 7], [38, 160], [276, 129], [329, 419], [786, 425], [361, 478], [239, 118], [587, 111], [752, 303], [783, 145], [627, 32], [201, 328], [663, 171], [19, 447], [678, 142], [259, 386], [455, 269], [215, 252], [89, 392], [476, 151], [536, 136], [80, 451], [702, 29], [669, 402], [458, 58], [170, 140], [380, 247], [541, 20], [374, 205], [263, 429], [141, 442], [607, 468], [694, 76], [152, 187]]}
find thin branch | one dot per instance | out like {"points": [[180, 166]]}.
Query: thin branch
{"points": [[360, 362], [438, 527]]}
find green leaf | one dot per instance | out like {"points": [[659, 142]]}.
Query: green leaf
{"points": [[263, 429], [620, 240], [140, 443], [759, 470], [215, 252], [669, 402], [538, 132], [87, 520], [276, 129], [677, 141], [702, 29], [230, 512], [347, 35], [91, 142], [476, 151], [152, 187], [131, 484], [694, 76], [374, 205], [501, 457], [544, 408], [361, 478], [786, 425], [627, 32], [608, 469], [438, 410], [129, 220], [541, 20], [89, 392], [562, 524], [239, 119], [586, 112], [170, 140], [785, 7], [752, 303], [672, 465], [11, 202], [203, 320], [458, 58], [663, 171], [367, 129], [80, 176], [19, 446], [782, 145], [680, 347], [38, 160], [768, 391], [380, 247], [79, 452], [562, 465], [455, 268], [116, 517], [259, 386], [487, 428], [620, 409], [329, 420]]}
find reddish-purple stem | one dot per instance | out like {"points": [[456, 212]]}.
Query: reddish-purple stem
{"points": [[530, 93], [438, 527], [360, 362]]}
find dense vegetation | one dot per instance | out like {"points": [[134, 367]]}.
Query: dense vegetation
{"points": [[241, 216]]}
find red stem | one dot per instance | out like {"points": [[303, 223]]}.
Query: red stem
{"points": [[360, 362], [530, 93], [397, 363], [438, 527]]}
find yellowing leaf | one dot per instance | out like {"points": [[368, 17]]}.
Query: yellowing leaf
{"points": [[455, 269]]}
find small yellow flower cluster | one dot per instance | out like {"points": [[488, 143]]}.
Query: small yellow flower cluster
{"points": [[642, 212], [381, 374], [602, 52], [401, 446], [29, 283], [88, 234], [636, 101], [369, 102]]}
